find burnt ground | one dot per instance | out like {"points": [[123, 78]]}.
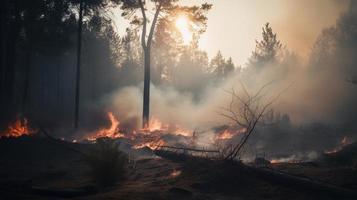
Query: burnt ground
{"points": [[36, 168]]}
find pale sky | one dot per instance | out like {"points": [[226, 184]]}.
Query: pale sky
{"points": [[234, 25]]}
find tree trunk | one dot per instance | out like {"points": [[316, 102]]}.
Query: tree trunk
{"points": [[58, 88], [147, 48], [146, 101], [3, 47], [29, 59], [9, 69], [78, 77]]}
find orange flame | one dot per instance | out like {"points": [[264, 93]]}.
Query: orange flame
{"points": [[229, 134], [283, 160], [19, 128], [225, 135], [183, 132], [150, 144], [146, 137], [345, 141], [111, 132], [175, 173], [154, 125]]}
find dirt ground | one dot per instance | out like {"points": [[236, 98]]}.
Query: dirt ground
{"points": [[30, 166]]}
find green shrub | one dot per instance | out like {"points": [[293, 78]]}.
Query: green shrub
{"points": [[106, 163]]}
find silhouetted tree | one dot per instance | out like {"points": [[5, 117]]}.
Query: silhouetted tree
{"points": [[93, 5], [78, 73], [267, 50], [35, 34], [221, 67], [162, 9]]}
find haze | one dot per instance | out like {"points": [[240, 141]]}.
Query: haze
{"points": [[234, 25]]}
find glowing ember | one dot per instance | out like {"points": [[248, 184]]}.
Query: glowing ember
{"points": [[277, 161], [229, 134], [225, 135], [150, 144], [111, 132], [175, 173], [291, 159], [19, 128]]}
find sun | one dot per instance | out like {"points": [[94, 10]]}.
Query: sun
{"points": [[182, 24]]}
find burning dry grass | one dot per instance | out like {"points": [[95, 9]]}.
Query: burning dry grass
{"points": [[18, 128], [150, 136], [344, 142], [229, 133], [111, 132]]}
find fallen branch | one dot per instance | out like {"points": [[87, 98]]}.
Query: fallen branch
{"points": [[60, 142], [189, 149]]}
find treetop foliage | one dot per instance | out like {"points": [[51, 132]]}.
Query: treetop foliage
{"points": [[267, 50]]}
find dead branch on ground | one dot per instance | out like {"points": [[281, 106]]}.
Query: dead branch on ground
{"points": [[246, 110]]}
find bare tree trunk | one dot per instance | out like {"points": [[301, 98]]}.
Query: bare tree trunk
{"points": [[146, 45], [4, 27], [29, 59], [58, 88], [146, 101], [9, 73], [78, 77]]}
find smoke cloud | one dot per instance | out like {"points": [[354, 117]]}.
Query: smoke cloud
{"points": [[317, 102]]}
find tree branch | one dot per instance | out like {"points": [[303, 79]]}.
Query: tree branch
{"points": [[143, 34], [152, 28]]}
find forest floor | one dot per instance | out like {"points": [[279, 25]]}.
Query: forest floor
{"points": [[31, 166]]}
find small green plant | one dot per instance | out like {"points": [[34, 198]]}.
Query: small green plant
{"points": [[106, 162]]}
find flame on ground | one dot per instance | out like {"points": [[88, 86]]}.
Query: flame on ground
{"points": [[111, 132], [152, 136], [18, 128], [345, 141], [181, 131], [284, 160], [155, 125], [150, 144], [225, 135], [175, 173], [229, 134]]}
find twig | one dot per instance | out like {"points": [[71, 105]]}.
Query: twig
{"points": [[59, 142]]}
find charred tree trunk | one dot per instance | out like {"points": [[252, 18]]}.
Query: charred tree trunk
{"points": [[9, 68], [29, 59], [58, 84], [146, 45], [146, 100], [78, 75], [4, 26]]}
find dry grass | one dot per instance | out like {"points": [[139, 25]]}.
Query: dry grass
{"points": [[107, 164]]}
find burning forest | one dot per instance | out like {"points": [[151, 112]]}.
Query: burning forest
{"points": [[178, 99]]}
